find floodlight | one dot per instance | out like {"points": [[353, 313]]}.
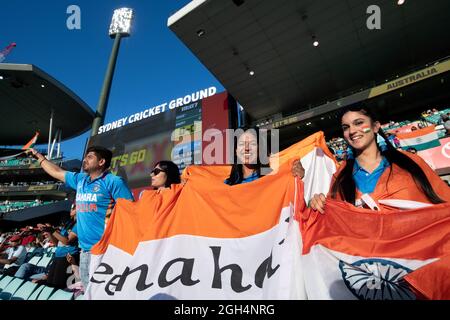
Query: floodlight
{"points": [[121, 22]]}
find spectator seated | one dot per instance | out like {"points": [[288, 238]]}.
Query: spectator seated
{"points": [[435, 118]]}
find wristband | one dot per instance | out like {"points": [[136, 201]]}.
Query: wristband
{"points": [[40, 162]]}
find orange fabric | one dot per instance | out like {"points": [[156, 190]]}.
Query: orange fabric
{"points": [[31, 143], [206, 206], [414, 234], [419, 234], [400, 184], [299, 149], [202, 207], [433, 280]]}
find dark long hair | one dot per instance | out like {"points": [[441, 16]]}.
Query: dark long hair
{"points": [[345, 186], [237, 170], [172, 171]]}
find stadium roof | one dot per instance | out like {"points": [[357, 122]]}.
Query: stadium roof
{"points": [[274, 40], [27, 97]]}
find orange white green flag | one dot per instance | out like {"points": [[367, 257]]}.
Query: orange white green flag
{"points": [[209, 240], [354, 253], [32, 142], [421, 139]]}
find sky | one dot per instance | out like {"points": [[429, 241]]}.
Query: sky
{"points": [[153, 66]]}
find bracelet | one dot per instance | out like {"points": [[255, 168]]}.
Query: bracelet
{"points": [[40, 162]]}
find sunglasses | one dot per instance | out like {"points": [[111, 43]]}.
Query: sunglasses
{"points": [[156, 171]]}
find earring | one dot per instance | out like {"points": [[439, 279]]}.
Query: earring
{"points": [[381, 143]]}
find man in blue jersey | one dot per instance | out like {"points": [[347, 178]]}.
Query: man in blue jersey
{"points": [[97, 192]]}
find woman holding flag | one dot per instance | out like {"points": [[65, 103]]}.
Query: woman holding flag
{"points": [[164, 174], [375, 173], [251, 159]]}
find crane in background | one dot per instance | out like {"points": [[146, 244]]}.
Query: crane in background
{"points": [[7, 51]]}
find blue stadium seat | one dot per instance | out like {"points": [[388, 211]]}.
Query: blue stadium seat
{"points": [[25, 291], [10, 289], [45, 261], [36, 293], [35, 260], [4, 282], [61, 295], [30, 254], [45, 293]]}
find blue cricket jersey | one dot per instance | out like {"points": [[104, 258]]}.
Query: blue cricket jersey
{"points": [[365, 181], [94, 199], [254, 176], [63, 250]]}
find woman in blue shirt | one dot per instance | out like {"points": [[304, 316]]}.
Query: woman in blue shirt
{"points": [[377, 171], [247, 165]]}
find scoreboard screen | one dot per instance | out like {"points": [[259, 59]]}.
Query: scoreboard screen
{"points": [[172, 135]]}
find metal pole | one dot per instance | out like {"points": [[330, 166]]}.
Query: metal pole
{"points": [[104, 95], [59, 144], [53, 144], [50, 133]]}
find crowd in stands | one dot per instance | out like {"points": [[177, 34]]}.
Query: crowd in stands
{"points": [[44, 254], [17, 162], [8, 206], [437, 117], [338, 147], [25, 186], [32, 183]]}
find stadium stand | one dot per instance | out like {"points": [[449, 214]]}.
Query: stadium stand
{"points": [[25, 291], [13, 288], [19, 205]]}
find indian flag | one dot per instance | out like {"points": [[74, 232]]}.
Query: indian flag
{"points": [[351, 253], [208, 240], [32, 142], [421, 139]]}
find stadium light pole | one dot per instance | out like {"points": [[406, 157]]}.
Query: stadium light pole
{"points": [[120, 27]]}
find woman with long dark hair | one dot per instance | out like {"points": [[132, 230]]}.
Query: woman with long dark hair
{"points": [[164, 174], [247, 165], [375, 170]]}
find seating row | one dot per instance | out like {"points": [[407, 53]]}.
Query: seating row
{"points": [[18, 289]]}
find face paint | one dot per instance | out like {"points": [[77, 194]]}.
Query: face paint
{"points": [[366, 129]]}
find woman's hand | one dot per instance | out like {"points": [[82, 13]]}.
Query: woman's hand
{"points": [[317, 202], [297, 169]]}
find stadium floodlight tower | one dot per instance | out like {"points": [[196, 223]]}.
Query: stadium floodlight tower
{"points": [[120, 27]]}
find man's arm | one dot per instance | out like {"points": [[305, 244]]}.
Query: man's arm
{"points": [[13, 259], [72, 237], [49, 167], [8, 261], [57, 236]]}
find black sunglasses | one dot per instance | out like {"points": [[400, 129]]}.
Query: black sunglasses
{"points": [[156, 171]]}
